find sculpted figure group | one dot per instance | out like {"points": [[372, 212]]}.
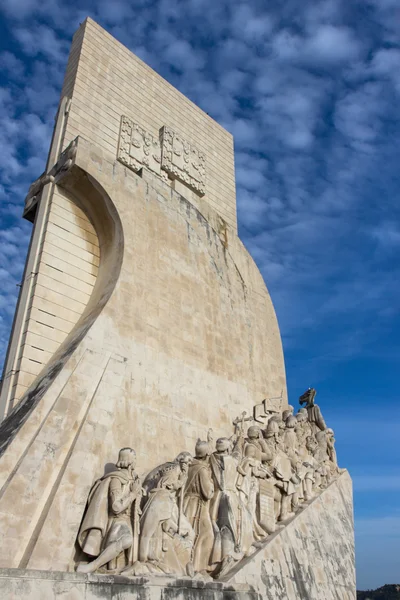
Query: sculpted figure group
{"points": [[199, 515]]}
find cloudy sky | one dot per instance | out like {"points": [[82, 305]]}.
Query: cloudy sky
{"points": [[311, 92]]}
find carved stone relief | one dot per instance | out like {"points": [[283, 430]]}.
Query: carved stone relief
{"points": [[181, 160], [170, 156], [201, 516], [138, 148]]}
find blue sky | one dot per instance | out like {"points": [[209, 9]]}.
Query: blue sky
{"points": [[311, 92]]}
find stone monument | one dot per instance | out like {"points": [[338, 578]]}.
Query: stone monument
{"points": [[144, 334]]}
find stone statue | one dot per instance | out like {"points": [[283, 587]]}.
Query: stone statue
{"points": [[286, 479], [199, 490], [224, 506], [256, 523], [167, 537], [110, 526], [306, 470], [289, 437], [288, 412], [255, 438], [330, 440], [203, 515], [314, 412], [314, 450], [303, 427]]}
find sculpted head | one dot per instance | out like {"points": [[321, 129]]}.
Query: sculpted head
{"points": [[302, 415], [254, 432], [287, 413], [222, 445], [202, 449], [126, 458], [272, 428], [184, 459], [291, 422]]}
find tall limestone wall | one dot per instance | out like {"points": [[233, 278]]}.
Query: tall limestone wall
{"points": [[178, 335]]}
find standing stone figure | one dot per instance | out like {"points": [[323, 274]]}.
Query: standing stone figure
{"points": [[250, 473], [110, 524], [330, 439], [167, 537], [288, 412], [224, 506], [303, 427], [199, 490], [286, 480], [290, 437], [255, 438]]}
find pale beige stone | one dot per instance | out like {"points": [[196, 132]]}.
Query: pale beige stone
{"points": [[60, 304], [70, 212], [74, 279], [73, 228], [169, 330], [39, 341], [41, 316], [30, 366], [80, 242]]}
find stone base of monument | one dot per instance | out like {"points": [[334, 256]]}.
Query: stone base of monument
{"points": [[312, 558]]}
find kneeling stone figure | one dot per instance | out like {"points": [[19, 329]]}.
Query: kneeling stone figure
{"points": [[110, 525]]}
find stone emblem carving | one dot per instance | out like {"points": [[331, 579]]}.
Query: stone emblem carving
{"points": [[182, 161], [138, 148], [170, 156], [201, 516]]}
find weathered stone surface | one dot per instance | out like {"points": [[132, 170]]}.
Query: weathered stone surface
{"points": [[40, 585], [313, 557], [187, 339]]}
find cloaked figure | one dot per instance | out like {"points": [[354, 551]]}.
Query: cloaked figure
{"points": [[110, 526], [199, 490], [167, 537], [224, 506]]}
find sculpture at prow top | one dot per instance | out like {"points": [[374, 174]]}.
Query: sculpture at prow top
{"points": [[314, 412]]}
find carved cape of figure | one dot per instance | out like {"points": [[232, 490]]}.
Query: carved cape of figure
{"points": [[166, 535], [224, 506], [110, 524], [199, 490]]}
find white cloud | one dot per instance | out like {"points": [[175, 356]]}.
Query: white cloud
{"points": [[326, 45]]}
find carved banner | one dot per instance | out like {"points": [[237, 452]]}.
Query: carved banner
{"points": [[182, 161], [138, 148]]}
